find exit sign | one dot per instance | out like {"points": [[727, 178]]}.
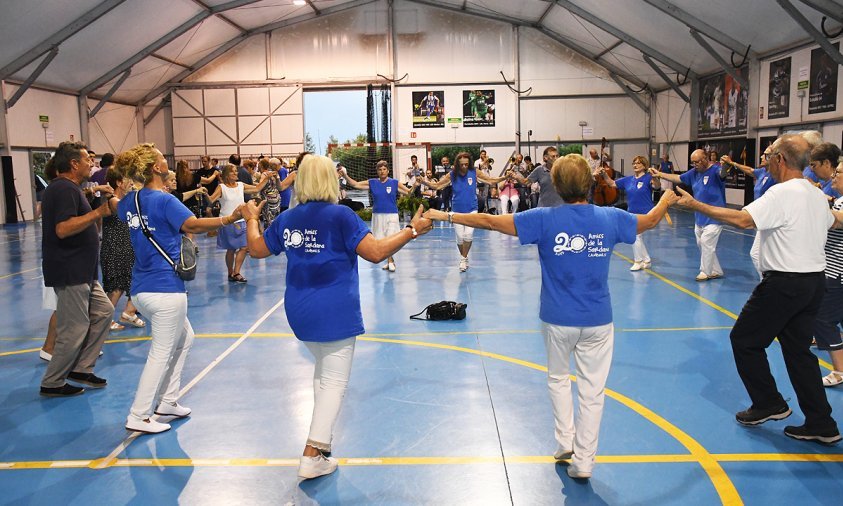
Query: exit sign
{"points": [[43, 119]]}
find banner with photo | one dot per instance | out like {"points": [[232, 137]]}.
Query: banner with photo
{"points": [[722, 106], [822, 92], [478, 108], [429, 109], [778, 102]]}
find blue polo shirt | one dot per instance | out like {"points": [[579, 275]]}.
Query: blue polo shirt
{"points": [[708, 189], [164, 215], [384, 195], [639, 192], [322, 298], [828, 190], [575, 245], [288, 193], [464, 199], [666, 167], [763, 181], [809, 173]]}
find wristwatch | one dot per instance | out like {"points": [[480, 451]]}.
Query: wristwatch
{"points": [[450, 216], [413, 231]]}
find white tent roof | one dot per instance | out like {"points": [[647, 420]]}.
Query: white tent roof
{"points": [[164, 41]]}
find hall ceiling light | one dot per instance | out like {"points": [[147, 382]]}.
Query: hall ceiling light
{"points": [[298, 2]]}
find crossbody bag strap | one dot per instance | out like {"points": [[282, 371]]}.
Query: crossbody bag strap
{"points": [[148, 233]]}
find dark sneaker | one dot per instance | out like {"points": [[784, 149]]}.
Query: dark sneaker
{"points": [[803, 433], [87, 378], [755, 416], [65, 390]]}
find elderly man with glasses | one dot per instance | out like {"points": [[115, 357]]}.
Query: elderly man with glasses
{"points": [[707, 182], [792, 219]]}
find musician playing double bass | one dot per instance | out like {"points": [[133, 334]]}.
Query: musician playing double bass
{"points": [[602, 194]]}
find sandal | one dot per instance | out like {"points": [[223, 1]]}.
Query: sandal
{"points": [[833, 379], [237, 278], [132, 320], [116, 326]]}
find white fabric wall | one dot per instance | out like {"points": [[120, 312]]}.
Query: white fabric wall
{"points": [[113, 129], [24, 127]]}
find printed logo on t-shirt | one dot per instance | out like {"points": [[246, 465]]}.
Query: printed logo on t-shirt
{"points": [[470, 181], [565, 243], [388, 189], [640, 184], [134, 222], [705, 179], [297, 239]]}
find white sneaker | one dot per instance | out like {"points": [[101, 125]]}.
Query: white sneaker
{"points": [[314, 467], [562, 454], [580, 475], [45, 356], [391, 267], [463, 264], [172, 409], [637, 266], [646, 265], [701, 277], [149, 426]]}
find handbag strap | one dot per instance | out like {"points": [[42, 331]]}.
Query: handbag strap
{"points": [[416, 316], [148, 233]]}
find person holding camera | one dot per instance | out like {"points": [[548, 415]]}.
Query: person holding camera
{"points": [[322, 241], [575, 243], [159, 293]]}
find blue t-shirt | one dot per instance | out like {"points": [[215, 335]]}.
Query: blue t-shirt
{"points": [[828, 190], [464, 198], [322, 299], [666, 167], [639, 192], [763, 181], [384, 195], [575, 245], [285, 194], [809, 173], [164, 215], [708, 189]]}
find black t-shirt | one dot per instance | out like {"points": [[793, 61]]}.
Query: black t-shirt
{"points": [[212, 186], [72, 260]]}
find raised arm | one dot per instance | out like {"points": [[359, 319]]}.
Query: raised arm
{"points": [[251, 189], [216, 195], [493, 180], [77, 224], [609, 181], [651, 219], [378, 250], [673, 178], [194, 225], [738, 218], [503, 223], [357, 185], [403, 190], [442, 183], [727, 161], [207, 180], [288, 181]]}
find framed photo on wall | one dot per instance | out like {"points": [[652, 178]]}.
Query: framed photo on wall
{"points": [[429, 109], [478, 108]]}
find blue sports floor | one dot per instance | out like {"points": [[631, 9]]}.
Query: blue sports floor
{"points": [[436, 412]]}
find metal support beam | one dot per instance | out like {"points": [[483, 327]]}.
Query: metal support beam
{"points": [[608, 49], [111, 92], [827, 8], [170, 61], [31, 79], [693, 22], [59, 37], [544, 14], [635, 98], [162, 104], [220, 16], [163, 41], [815, 34], [315, 10], [668, 80], [84, 130], [637, 44], [728, 68]]}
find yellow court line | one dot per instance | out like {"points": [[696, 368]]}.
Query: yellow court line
{"points": [[421, 461], [16, 273], [721, 481], [705, 301]]}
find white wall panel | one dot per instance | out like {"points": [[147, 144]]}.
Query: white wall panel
{"points": [[187, 103], [672, 116], [24, 127], [288, 130], [254, 130], [114, 129], [221, 130], [286, 100], [450, 47], [613, 118], [189, 131], [156, 130], [252, 101], [220, 102]]}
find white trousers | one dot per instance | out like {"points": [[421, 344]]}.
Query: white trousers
{"points": [[330, 380], [592, 349], [505, 199], [639, 250], [172, 337], [707, 238]]}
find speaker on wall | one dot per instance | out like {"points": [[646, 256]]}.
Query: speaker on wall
{"points": [[9, 190]]}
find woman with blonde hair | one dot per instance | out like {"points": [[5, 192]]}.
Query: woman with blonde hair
{"points": [[575, 243], [322, 241], [157, 290], [639, 197]]}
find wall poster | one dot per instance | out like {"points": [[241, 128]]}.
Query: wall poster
{"points": [[822, 92], [778, 102], [429, 109], [722, 106], [478, 108]]}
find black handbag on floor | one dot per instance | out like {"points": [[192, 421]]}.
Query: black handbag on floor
{"points": [[443, 310]]}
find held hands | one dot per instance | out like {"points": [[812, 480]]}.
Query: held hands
{"points": [[726, 159], [421, 223], [669, 197], [654, 172], [436, 215], [250, 210], [685, 198]]}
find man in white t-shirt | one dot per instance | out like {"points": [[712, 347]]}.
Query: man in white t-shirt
{"points": [[792, 219]]}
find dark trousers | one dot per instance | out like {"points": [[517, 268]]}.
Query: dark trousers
{"points": [[446, 197], [783, 305]]}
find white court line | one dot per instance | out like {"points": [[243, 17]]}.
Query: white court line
{"points": [[726, 229], [107, 461]]}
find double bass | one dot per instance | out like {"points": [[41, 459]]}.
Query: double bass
{"points": [[605, 195]]}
